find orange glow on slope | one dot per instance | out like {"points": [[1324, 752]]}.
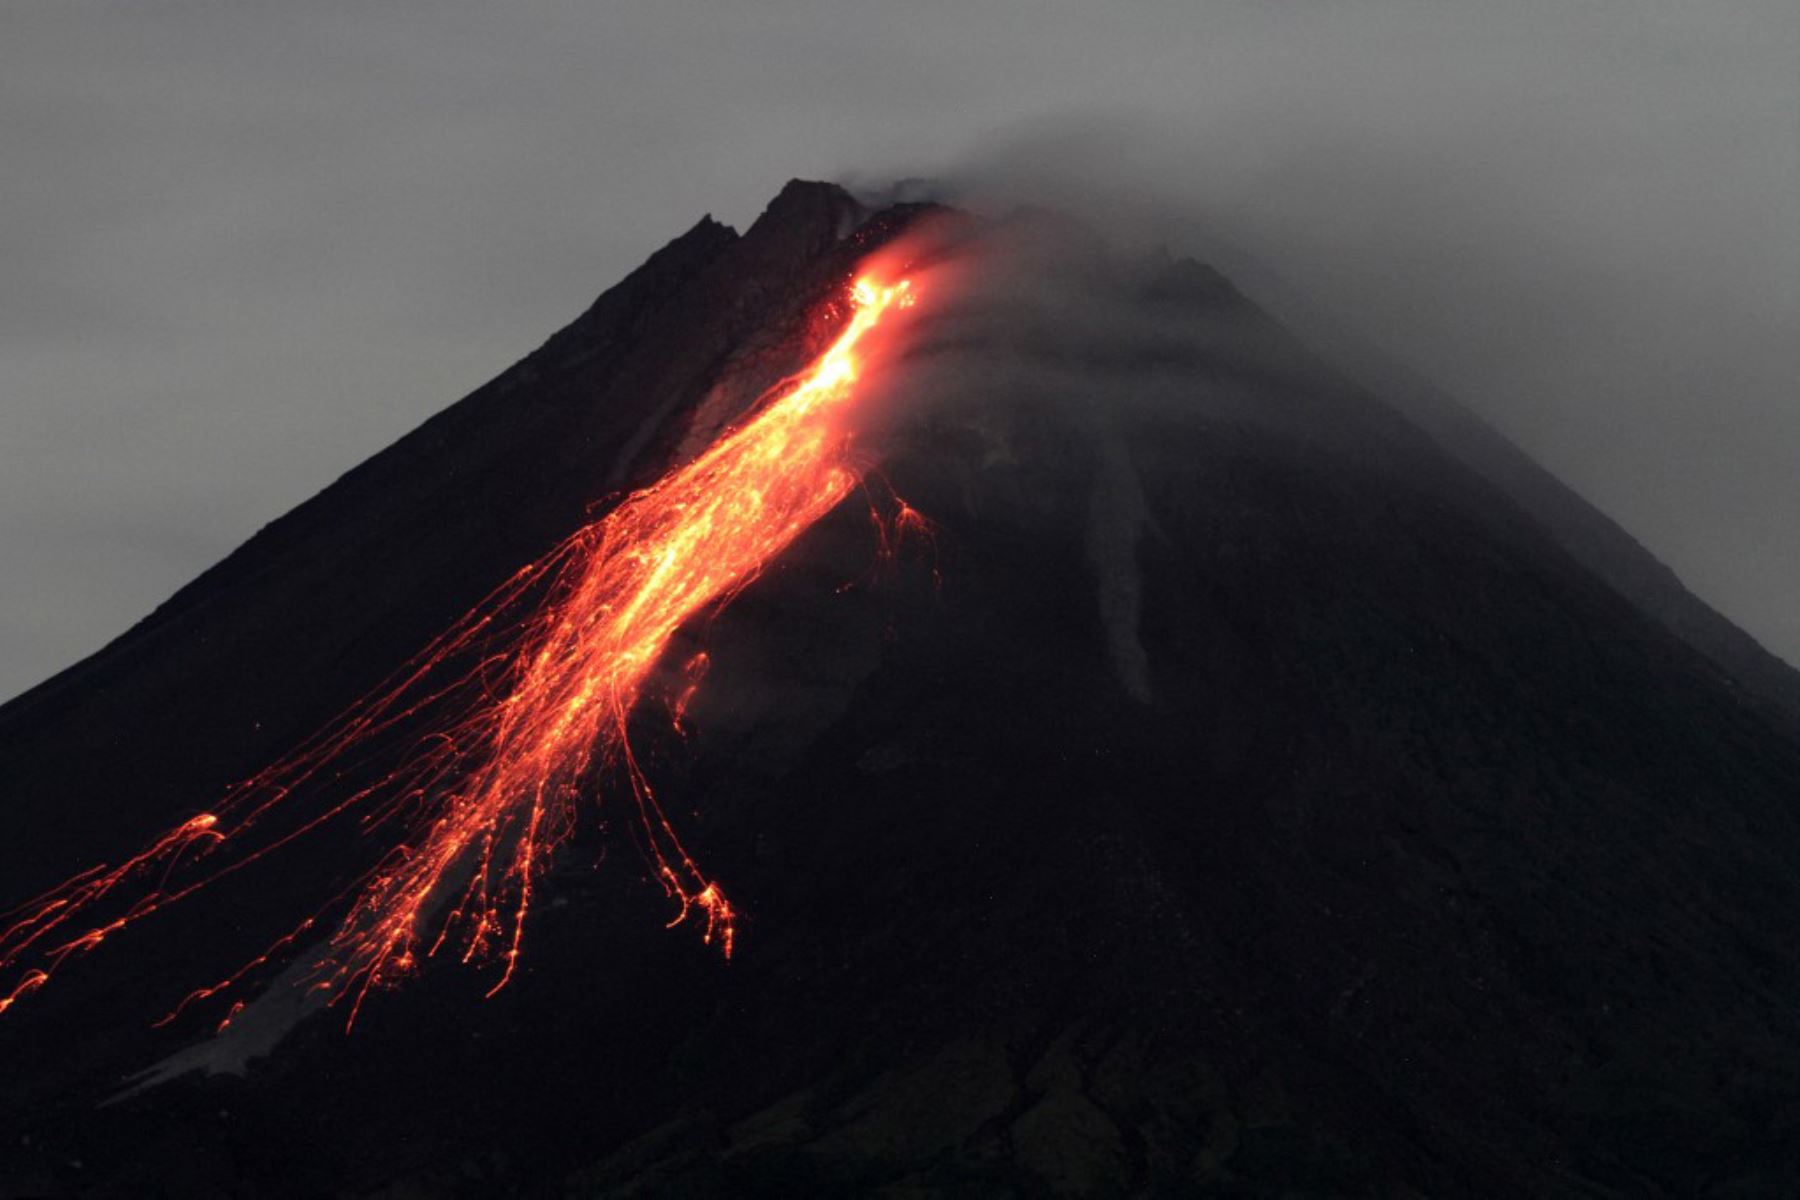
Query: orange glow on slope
{"points": [[490, 791]]}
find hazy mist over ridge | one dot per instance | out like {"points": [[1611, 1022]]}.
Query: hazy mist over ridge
{"points": [[251, 245]]}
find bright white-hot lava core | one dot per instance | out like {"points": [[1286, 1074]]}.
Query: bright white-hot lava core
{"points": [[519, 711]]}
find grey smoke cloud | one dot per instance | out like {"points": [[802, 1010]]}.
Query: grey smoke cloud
{"points": [[248, 244], [1592, 239]]}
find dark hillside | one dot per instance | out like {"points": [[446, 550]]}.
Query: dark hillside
{"points": [[1239, 795]]}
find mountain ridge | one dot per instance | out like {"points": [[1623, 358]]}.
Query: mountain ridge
{"points": [[1426, 863]]}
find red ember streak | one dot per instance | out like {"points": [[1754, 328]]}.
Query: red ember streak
{"points": [[490, 791]]}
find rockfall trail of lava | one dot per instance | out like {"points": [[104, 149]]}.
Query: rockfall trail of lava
{"points": [[521, 711]]}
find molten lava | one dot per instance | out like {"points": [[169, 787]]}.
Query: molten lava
{"points": [[522, 711]]}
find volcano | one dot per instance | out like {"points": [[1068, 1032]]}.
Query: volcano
{"points": [[1176, 765]]}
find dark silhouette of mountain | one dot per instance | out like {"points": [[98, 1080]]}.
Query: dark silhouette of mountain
{"points": [[1595, 539], [1239, 796]]}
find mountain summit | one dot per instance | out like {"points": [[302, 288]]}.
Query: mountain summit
{"points": [[1234, 791]]}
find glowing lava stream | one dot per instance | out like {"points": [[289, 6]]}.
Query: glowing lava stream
{"points": [[490, 791]]}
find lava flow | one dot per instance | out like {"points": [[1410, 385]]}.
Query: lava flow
{"points": [[521, 711]]}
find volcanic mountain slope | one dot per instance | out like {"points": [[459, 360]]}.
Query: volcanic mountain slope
{"points": [[1597, 541], [1235, 795]]}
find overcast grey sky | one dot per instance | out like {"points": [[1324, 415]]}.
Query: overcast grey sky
{"points": [[247, 244]]}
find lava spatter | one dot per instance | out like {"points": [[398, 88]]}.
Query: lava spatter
{"points": [[520, 702]]}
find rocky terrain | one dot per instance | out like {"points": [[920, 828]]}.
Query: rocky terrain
{"points": [[1237, 794]]}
